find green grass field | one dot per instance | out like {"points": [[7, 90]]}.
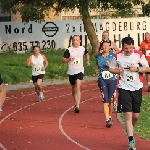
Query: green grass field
{"points": [[143, 126], [13, 68]]}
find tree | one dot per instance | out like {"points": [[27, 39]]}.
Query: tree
{"points": [[32, 10]]}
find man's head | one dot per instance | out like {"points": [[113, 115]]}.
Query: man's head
{"points": [[105, 35], [76, 41], [128, 45], [147, 37]]}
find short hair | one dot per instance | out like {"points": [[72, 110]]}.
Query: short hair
{"points": [[128, 41], [35, 47], [147, 33], [76, 36], [105, 32]]}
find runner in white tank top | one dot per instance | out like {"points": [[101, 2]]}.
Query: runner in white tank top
{"points": [[74, 57], [39, 63]]}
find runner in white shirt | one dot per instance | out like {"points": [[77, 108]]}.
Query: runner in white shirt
{"points": [[129, 84], [39, 63], [2, 93], [74, 57]]}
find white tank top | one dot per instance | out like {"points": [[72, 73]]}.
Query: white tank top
{"points": [[76, 66], [38, 63]]}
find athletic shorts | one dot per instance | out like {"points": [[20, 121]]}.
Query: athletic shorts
{"points": [[1, 81], [35, 78], [129, 101], [73, 78], [108, 88]]}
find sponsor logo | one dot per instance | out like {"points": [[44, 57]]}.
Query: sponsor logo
{"points": [[50, 29]]}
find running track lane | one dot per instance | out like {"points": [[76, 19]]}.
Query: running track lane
{"points": [[52, 124]]}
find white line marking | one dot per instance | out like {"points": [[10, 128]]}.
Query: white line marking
{"points": [[64, 133], [1, 146], [1, 121]]}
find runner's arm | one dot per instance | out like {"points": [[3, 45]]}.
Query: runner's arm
{"points": [[87, 57], [113, 67], [46, 61], [96, 68], [115, 47], [66, 57], [29, 62]]}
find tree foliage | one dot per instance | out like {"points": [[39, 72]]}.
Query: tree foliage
{"points": [[34, 10]]}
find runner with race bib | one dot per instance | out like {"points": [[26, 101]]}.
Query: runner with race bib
{"points": [[74, 57], [39, 63], [106, 81], [131, 63], [145, 49]]}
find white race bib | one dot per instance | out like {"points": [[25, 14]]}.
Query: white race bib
{"points": [[37, 68], [107, 75], [147, 52], [130, 76], [76, 61]]}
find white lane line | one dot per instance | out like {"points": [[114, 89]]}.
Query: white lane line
{"points": [[1, 146], [1, 121], [64, 133]]}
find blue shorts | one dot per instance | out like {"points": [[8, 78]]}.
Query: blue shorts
{"points": [[108, 88]]}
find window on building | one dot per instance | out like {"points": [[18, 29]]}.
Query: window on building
{"points": [[4, 17]]}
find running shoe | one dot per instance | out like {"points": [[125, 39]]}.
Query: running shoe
{"points": [[110, 118], [39, 99], [108, 123], [115, 106], [41, 96], [76, 110], [132, 145]]}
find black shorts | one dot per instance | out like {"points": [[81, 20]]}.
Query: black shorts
{"points": [[1, 81], [73, 78], [35, 78], [129, 101]]}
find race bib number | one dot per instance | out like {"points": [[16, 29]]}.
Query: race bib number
{"points": [[107, 75], [147, 52], [76, 61], [130, 76], [37, 68]]}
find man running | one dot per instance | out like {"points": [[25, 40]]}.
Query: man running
{"points": [[145, 48], [105, 37], [129, 84], [39, 63], [74, 57], [2, 94]]}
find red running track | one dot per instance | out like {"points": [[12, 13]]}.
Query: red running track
{"points": [[52, 124]]}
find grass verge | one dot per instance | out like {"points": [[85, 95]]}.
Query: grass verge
{"points": [[142, 127]]}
